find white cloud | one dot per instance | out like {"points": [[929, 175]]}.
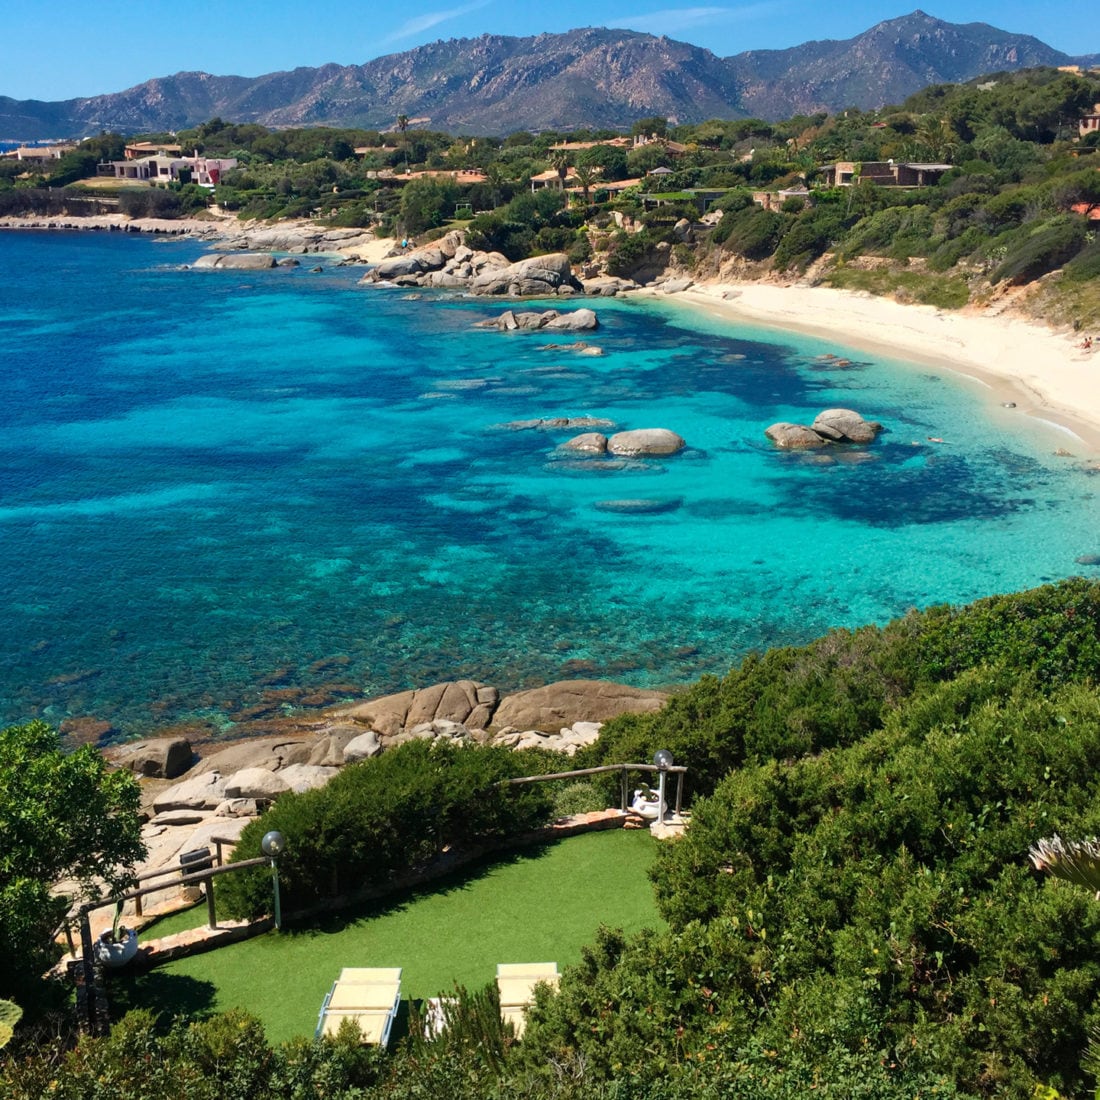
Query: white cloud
{"points": [[412, 27], [673, 20]]}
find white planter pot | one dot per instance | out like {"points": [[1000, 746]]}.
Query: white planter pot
{"points": [[113, 955], [647, 806]]}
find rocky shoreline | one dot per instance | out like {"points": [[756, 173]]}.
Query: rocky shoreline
{"points": [[192, 801]]}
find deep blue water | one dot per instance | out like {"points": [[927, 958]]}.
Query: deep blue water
{"points": [[216, 485]]}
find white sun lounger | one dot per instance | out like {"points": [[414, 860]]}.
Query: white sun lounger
{"points": [[369, 996], [516, 985]]}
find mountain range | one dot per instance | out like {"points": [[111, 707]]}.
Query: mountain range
{"points": [[590, 77]]}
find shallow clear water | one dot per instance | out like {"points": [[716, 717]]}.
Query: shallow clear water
{"points": [[222, 492]]}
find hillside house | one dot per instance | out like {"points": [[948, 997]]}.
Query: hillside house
{"points": [[161, 168], [774, 200], [1090, 123], [138, 150], [38, 154], [884, 173]]}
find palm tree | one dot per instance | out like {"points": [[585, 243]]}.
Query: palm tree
{"points": [[403, 126], [559, 161], [586, 176], [494, 177]]}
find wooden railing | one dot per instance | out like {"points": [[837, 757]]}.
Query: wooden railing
{"points": [[623, 769]]}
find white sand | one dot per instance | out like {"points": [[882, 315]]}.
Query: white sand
{"points": [[1045, 372]]}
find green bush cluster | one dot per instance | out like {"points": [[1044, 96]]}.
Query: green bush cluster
{"points": [[225, 1056], [1034, 252], [751, 232], [387, 816], [791, 701]]}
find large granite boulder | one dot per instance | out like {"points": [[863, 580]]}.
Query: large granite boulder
{"points": [[645, 441], [408, 263], [258, 783], [568, 701], [159, 758], [328, 749], [794, 437], [271, 753], [198, 792], [535, 277], [587, 443], [577, 320], [845, 425], [457, 700], [237, 261], [306, 777], [362, 747]]}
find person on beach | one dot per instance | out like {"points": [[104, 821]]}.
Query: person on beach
{"points": [[1086, 344]]}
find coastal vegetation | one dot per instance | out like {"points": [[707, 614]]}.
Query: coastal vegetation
{"points": [[1008, 208], [852, 910], [63, 815]]}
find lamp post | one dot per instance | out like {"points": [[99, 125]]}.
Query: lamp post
{"points": [[272, 846], [663, 759]]}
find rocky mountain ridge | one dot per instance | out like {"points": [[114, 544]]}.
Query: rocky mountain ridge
{"points": [[588, 77]]}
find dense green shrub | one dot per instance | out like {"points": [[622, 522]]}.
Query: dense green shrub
{"points": [[628, 252], [897, 231], [579, 797], [812, 233], [753, 233], [1086, 264], [387, 816], [225, 1056], [1033, 254], [897, 867], [788, 702]]}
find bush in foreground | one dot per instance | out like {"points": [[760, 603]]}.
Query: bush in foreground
{"points": [[387, 816]]}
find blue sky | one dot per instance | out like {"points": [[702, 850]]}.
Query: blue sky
{"points": [[69, 48]]}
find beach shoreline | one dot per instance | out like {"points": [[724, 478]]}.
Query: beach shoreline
{"points": [[1040, 370], [1044, 372]]}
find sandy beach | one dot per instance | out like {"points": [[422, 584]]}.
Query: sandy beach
{"points": [[1046, 373]]}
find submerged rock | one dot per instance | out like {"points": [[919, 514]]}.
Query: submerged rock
{"points": [[640, 506]]}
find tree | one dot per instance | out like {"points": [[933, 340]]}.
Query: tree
{"points": [[427, 204], [586, 176], [655, 126], [63, 816], [559, 161], [403, 126], [609, 159]]}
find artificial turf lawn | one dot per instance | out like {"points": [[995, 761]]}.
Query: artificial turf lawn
{"points": [[541, 905]]}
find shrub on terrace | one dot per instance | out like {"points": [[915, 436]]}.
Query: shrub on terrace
{"points": [[387, 816]]}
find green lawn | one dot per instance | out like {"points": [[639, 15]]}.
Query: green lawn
{"points": [[537, 906]]}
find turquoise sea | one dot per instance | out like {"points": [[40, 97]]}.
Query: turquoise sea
{"points": [[227, 494]]}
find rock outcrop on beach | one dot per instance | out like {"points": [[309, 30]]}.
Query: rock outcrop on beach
{"points": [[830, 426], [448, 263], [218, 795]]}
